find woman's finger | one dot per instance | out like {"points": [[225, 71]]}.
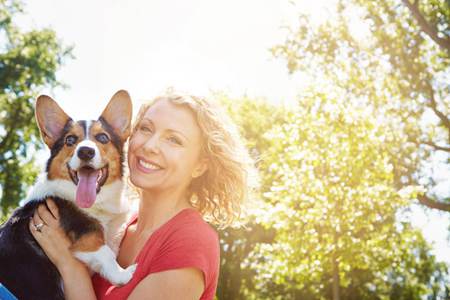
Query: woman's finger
{"points": [[31, 227], [53, 208], [46, 216], [39, 224], [37, 219], [53, 241], [34, 232]]}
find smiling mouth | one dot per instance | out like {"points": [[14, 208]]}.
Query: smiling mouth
{"points": [[148, 165]]}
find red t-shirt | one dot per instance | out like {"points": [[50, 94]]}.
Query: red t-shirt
{"points": [[185, 241]]}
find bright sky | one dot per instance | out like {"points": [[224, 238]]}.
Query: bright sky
{"points": [[146, 46], [197, 46]]}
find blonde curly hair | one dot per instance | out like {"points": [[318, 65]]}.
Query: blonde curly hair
{"points": [[220, 192]]}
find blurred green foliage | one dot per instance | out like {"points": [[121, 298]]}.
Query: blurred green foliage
{"points": [[28, 62], [254, 117], [394, 56], [328, 206], [344, 163]]}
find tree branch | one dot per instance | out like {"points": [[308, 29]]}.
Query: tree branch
{"points": [[423, 199], [445, 121], [436, 147], [426, 27]]}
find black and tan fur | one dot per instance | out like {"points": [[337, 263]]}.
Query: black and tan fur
{"points": [[24, 268]]}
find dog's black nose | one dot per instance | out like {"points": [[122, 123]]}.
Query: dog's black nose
{"points": [[86, 153]]}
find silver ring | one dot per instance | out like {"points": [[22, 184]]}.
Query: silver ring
{"points": [[39, 226]]}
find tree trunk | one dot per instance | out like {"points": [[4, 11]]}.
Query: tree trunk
{"points": [[336, 283]]}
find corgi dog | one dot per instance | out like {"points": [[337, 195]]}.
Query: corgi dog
{"points": [[84, 178]]}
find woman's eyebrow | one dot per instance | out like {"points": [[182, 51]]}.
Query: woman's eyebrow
{"points": [[168, 129], [147, 119]]}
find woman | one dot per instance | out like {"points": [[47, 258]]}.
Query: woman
{"points": [[188, 164]]}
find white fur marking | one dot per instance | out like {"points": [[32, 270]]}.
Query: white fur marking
{"points": [[96, 162], [103, 261], [108, 199], [88, 126]]}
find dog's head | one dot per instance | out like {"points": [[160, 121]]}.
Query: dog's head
{"points": [[87, 154]]}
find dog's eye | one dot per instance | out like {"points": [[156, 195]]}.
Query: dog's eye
{"points": [[102, 138], [71, 140]]}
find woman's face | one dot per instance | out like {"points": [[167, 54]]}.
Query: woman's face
{"points": [[164, 151]]}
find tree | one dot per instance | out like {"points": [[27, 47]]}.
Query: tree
{"points": [[275, 255], [394, 55], [254, 117], [28, 62], [335, 187], [334, 205]]}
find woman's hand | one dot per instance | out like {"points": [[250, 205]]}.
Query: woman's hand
{"points": [[45, 228]]}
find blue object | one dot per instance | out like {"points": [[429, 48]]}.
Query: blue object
{"points": [[5, 294]]}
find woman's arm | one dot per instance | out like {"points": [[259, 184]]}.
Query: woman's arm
{"points": [[77, 281], [187, 283], [56, 245]]}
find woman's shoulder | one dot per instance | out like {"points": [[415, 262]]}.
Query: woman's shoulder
{"points": [[189, 224], [186, 241]]}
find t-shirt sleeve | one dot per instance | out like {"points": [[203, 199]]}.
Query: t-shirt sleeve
{"points": [[193, 246]]}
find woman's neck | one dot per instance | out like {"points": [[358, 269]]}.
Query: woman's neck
{"points": [[155, 209]]}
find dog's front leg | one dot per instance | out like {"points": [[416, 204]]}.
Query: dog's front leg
{"points": [[103, 261], [91, 249]]}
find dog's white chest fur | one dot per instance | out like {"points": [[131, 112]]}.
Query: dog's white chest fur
{"points": [[111, 208]]}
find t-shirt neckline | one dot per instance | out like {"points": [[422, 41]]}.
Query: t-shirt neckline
{"points": [[134, 220]]}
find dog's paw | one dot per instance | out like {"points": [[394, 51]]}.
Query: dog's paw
{"points": [[123, 276], [131, 269]]}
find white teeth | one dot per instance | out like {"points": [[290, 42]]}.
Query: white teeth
{"points": [[148, 165]]}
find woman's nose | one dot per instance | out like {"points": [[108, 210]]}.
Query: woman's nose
{"points": [[152, 144]]}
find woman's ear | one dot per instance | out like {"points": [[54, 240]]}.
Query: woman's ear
{"points": [[200, 169]]}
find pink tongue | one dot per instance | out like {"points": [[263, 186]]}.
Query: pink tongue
{"points": [[87, 188]]}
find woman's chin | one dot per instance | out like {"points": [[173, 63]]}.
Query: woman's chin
{"points": [[144, 183]]}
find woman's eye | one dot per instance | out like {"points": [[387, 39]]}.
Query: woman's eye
{"points": [[145, 128], [71, 140], [174, 140], [102, 138]]}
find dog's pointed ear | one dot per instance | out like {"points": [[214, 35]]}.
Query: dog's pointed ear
{"points": [[118, 114], [51, 119]]}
